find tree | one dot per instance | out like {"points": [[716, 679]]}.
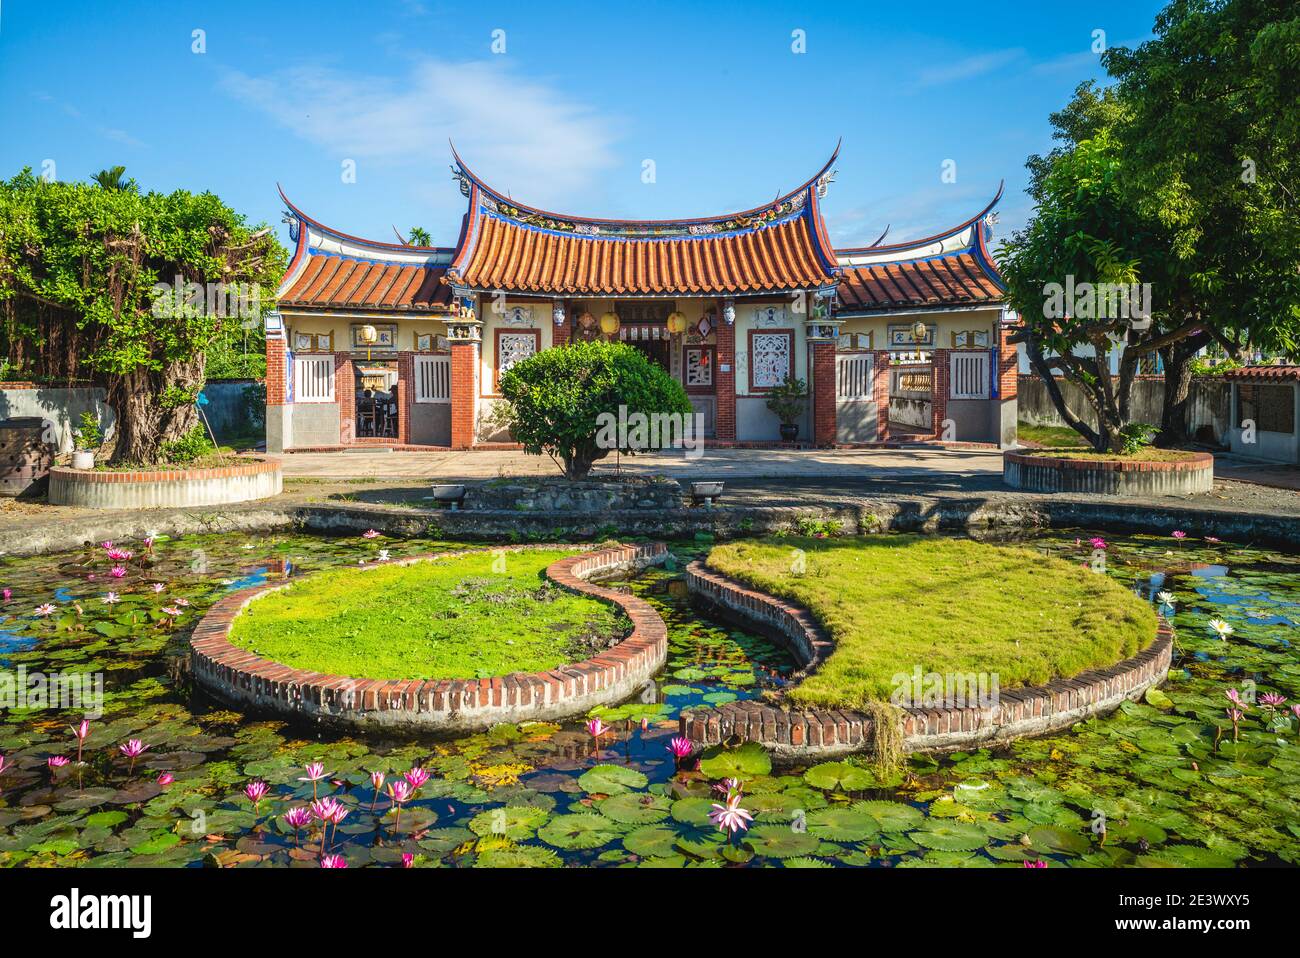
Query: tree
{"points": [[561, 402], [1211, 140], [129, 289], [418, 237], [112, 179], [1085, 241]]}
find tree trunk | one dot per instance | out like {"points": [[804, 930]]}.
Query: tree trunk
{"points": [[1178, 384], [152, 409]]}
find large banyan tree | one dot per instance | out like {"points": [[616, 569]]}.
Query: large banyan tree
{"points": [[128, 290]]}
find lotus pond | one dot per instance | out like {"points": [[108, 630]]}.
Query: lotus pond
{"points": [[1188, 777]]}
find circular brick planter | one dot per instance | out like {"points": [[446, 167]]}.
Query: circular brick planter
{"points": [[241, 678], [244, 480], [1118, 477], [814, 733]]}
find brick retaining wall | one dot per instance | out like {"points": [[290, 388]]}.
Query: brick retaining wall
{"points": [[241, 678], [247, 479], [1184, 477], [813, 733]]}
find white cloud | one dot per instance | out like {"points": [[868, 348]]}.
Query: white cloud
{"points": [[516, 132], [968, 68]]}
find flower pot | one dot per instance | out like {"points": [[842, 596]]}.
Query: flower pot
{"points": [[83, 459], [453, 495], [789, 431]]}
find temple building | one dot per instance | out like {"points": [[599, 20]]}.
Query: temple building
{"points": [[393, 345]]}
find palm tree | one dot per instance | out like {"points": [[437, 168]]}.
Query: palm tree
{"points": [[418, 237], [112, 178]]}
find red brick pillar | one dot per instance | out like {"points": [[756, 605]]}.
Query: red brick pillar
{"points": [[464, 390], [560, 335], [276, 376], [823, 389], [1008, 368], [880, 391], [345, 394], [939, 382], [405, 395], [724, 426]]}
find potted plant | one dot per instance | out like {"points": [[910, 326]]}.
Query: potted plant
{"points": [[788, 401], [86, 438]]}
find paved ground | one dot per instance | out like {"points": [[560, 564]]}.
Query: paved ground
{"points": [[935, 463]]}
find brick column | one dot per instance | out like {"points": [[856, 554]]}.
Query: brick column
{"points": [[345, 394], [405, 395], [560, 335], [823, 389], [1008, 368], [880, 391], [275, 372], [464, 391], [724, 425], [939, 382]]}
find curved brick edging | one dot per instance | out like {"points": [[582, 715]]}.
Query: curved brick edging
{"points": [[252, 478], [242, 678], [1117, 477], [1031, 710]]}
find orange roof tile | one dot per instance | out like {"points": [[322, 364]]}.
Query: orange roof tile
{"points": [[1272, 373]]}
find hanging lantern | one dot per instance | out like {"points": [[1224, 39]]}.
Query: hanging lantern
{"points": [[609, 324], [368, 335], [918, 331], [676, 322]]}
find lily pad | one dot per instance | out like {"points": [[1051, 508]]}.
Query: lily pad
{"points": [[581, 830]]}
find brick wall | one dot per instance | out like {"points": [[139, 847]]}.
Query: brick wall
{"points": [[880, 389], [1008, 370], [464, 393], [405, 394], [275, 372], [940, 383], [724, 426], [823, 376], [345, 394]]}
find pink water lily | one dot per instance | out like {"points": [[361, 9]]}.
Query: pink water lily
{"points": [[1213, 540], [1271, 700], [333, 861], [133, 749], [1035, 863], [256, 790], [112, 598], [296, 818], [165, 779], [370, 534], [82, 732], [399, 792], [1097, 542], [408, 860], [119, 555], [181, 603], [1233, 696], [728, 787], [730, 818], [158, 586], [680, 747], [117, 572], [416, 777], [1179, 534], [6, 594], [596, 727], [106, 545], [3, 764], [377, 780], [45, 610], [315, 772], [57, 761]]}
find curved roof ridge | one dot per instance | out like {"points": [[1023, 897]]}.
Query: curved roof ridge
{"points": [[378, 244], [475, 180], [925, 241]]}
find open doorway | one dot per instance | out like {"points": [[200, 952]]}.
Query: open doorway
{"points": [[376, 397]]}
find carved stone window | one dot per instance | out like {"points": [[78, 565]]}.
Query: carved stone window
{"points": [[513, 346], [771, 357], [698, 369]]}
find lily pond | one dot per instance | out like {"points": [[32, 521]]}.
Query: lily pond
{"points": [[1204, 772]]}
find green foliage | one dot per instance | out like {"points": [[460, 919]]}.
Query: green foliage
{"points": [[418, 237], [1137, 436], [193, 445], [555, 401], [87, 434], [788, 400], [89, 273], [885, 598], [453, 618]]}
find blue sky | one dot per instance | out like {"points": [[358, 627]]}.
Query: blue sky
{"points": [[566, 116]]}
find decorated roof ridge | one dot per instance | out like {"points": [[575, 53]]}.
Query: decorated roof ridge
{"points": [[348, 237], [907, 245], [613, 228]]}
